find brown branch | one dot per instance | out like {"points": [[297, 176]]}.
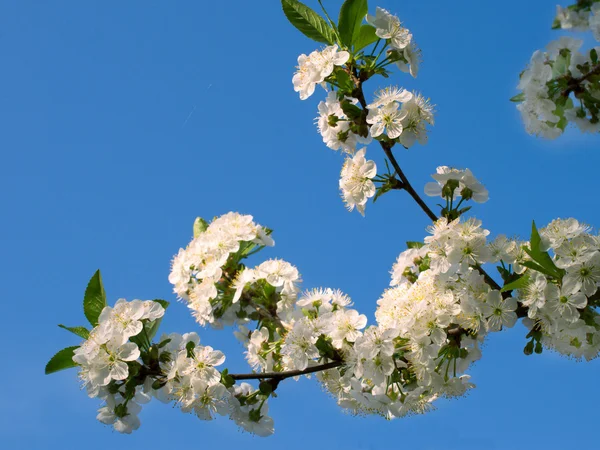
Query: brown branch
{"points": [[288, 374], [574, 84]]}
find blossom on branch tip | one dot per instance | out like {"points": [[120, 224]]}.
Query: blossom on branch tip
{"points": [[314, 68], [356, 183]]}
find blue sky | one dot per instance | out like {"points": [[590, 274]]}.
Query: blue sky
{"points": [[123, 121]]}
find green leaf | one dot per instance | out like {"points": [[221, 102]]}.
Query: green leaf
{"points": [[414, 244], [226, 379], [594, 55], [308, 22], [542, 258], [200, 226], [94, 299], [366, 36], [165, 304], [152, 328], [535, 266], [518, 98], [62, 360], [343, 80], [82, 332], [519, 283], [352, 14], [561, 65], [352, 111]]}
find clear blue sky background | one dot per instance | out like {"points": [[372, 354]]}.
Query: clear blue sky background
{"points": [[122, 121]]}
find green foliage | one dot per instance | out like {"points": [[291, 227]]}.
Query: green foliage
{"points": [[352, 111], [226, 379], [518, 98], [352, 14], [561, 64], [200, 226], [325, 347], [519, 283], [542, 262], [82, 332], [62, 360], [165, 304], [94, 299], [414, 244], [366, 36], [343, 80], [308, 22]]}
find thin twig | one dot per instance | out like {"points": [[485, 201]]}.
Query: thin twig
{"points": [[288, 374]]}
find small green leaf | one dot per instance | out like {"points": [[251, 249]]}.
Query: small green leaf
{"points": [[226, 379], [519, 283], [352, 14], [62, 360], [542, 258], [594, 55], [414, 244], [535, 266], [265, 388], [82, 332], [366, 36], [200, 226], [308, 22], [152, 328], [351, 110], [165, 304], [561, 65], [343, 80], [94, 299], [518, 98]]}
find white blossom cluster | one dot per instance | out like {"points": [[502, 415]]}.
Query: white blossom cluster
{"points": [[559, 86], [356, 183], [180, 371], [401, 115], [335, 127], [106, 356], [314, 68], [557, 301], [194, 384], [346, 123], [466, 185], [402, 46], [197, 270], [579, 19]]}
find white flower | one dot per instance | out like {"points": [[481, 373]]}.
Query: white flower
{"points": [[314, 68], [109, 363], [299, 346], [409, 59], [210, 399], [466, 180], [564, 303], [201, 365], [280, 274], [345, 326], [570, 19], [563, 43], [499, 312], [256, 355], [124, 319], [559, 230], [389, 27], [388, 119], [122, 416], [389, 95], [355, 181], [583, 276]]}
